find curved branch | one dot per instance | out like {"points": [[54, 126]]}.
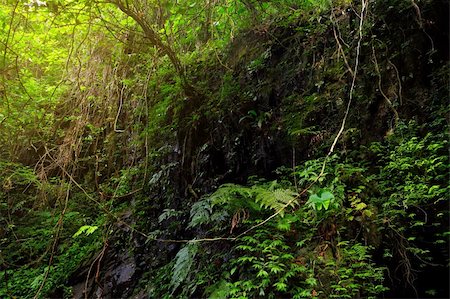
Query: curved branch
{"points": [[151, 35]]}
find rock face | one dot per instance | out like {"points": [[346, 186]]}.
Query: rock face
{"points": [[253, 137], [118, 279], [114, 281]]}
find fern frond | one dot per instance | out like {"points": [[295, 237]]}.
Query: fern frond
{"points": [[257, 197], [228, 192], [234, 197], [274, 199], [200, 213], [183, 263]]}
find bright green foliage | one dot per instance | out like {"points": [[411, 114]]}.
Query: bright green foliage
{"points": [[85, 229], [269, 266], [26, 280], [28, 233], [320, 200], [33, 54], [355, 272], [15, 175], [264, 196], [413, 199], [231, 199]]}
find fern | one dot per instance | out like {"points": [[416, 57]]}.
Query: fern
{"points": [[275, 199], [168, 213], [200, 213], [86, 229], [229, 192], [257, 197], [183, 263], [234, 197]]}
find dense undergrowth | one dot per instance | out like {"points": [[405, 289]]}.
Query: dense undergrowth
{"points": [[184, 150]]}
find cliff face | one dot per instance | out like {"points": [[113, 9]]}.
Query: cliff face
{"points": [[222, 184], [279, 102]]}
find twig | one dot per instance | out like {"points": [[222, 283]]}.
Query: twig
{"points": [[293, 167], [420, 22], [109, 213], [386, 98], [122, 196], [355, 72], [119, 110], [340, 50], [399, 82], [220, 60], [98, 259]]}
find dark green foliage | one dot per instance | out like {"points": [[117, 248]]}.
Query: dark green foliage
{"points": [[269, 263], [413, 193], [29, 231], [183, 263], [24, 279]]}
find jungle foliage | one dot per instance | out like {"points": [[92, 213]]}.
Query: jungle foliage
{"points": [[224, 149]]}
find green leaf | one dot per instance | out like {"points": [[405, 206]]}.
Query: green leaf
{"points": [[360, 206], [262, 273], [200, 213], [321, 199], [280, 286], [183, 263], [87, 229], [284, 223], [311, 281]]}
